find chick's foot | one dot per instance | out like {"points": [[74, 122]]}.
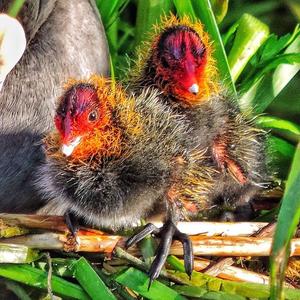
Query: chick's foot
{"points": [[167, 234]]}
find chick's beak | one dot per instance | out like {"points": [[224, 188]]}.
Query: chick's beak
{"points": [[190, 78], [68, 148], [194, 89]]}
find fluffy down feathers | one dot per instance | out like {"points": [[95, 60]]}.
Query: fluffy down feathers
{"points": [[233, 149], [116, 188]]}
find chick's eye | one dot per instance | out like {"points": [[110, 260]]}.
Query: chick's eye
{"points": [[198, 52], [164, 62], [93, 116]]}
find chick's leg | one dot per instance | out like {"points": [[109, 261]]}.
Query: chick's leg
{"points": [[71, 222], [167, 234]]}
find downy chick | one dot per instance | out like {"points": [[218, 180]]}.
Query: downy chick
{"points": [[115, 159], [57, 32], [178, 62]]}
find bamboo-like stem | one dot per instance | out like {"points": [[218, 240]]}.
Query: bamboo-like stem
{"points": [[218, 228], [56, 223], [231, 243], [220, 266], [92, 241], [233, 246], [232, 273]]}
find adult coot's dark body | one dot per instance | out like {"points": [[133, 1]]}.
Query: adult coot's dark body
{"points": [[65, 39]]}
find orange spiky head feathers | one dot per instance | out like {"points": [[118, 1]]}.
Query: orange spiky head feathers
{"points": [[180, 61], [87, 121]]}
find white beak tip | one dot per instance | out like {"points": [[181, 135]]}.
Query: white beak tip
{"points": [[67, 150], [194, 89]]}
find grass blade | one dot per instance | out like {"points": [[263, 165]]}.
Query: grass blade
{"points": [[288, 129], [243, 289], [282, 153], [250, 35], [148, 13], [110, 10], [17, 290], [38, 278], [290, 210], [220, 8], [138, 281], [90, 281], [185, 8], [263, 92], [204, 11], [202, 293], [15, 7]]}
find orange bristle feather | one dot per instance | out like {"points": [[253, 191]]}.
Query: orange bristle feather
{"points": [[207, 77], [108, 137]]}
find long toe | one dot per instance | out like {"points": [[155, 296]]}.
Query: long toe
{"points": [[167, 234], [166, 237], [188, 255], [148, 229]]}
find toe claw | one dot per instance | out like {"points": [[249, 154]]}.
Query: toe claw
{"points": [[148, 229], [150, 283], [188, 255], [167, 233]]}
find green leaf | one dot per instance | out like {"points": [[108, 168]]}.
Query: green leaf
{"points": [[90, 281], [259, 96], [275, 45], [220, 8], [62, 267], [147, 246], [282, 154], [279, 125], [38, 278], [110, 10], [138, 281], [288, 219], [250, 35], [17, 290], [148, 13], [15, 8], [259, 8], [185, 8], [113, 285], [228, 36], [205, 13], [198, 292], [175, 263], [294, 6], [293, 58], [244, 289]]}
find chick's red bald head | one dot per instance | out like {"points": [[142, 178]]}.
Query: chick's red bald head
{"points": [[179, 61], [78, 114]]}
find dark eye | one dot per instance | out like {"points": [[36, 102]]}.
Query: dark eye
{"points": [[198, 51], [165, 62], [93, 116]]}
